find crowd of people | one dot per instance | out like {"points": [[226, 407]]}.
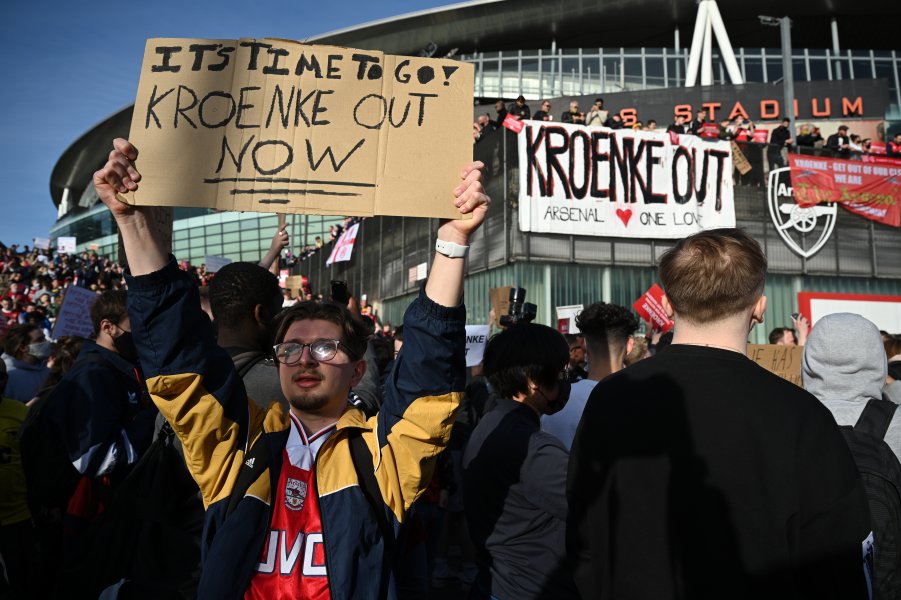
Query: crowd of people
{"points": [[238, 443], [761, 146]]}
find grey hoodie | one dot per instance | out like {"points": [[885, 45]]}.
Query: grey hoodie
{"points": [[844, 366]]}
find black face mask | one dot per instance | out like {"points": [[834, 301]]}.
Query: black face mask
{"points": [[125, 346], [554, 406]]}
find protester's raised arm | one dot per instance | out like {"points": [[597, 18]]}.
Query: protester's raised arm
{"points": [[279, 242], [136, 224], [445, 283]]}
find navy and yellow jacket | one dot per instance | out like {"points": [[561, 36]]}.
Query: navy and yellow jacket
{"points": [[196, 387]]}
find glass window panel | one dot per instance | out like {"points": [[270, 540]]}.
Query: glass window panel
{"points": [[231, 249], [753, 69], [212, 250], [612, 70], [251, 223], [213, 239], [632, 67], [269, 221], [654, 71], [819, 69], [675, 72], [774, 68], [863, 68], [180, 234], [231, 237], [799, 70], [212, 229], [884, 70], [180, 246], [231, 226]]}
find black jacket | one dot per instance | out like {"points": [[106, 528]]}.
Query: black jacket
{"points": [[697, 474]]}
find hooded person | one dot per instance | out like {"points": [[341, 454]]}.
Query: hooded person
{"points": [[844, 366]]}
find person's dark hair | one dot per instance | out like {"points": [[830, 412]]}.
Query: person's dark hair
{"points": [[238, 287], [893, 346], [65, 353], [777, 333], [355, 333], [383, 349], [602, 324], [399, 333], [522, 352], [16, 337], [713, 274], [571, 339], [111, 306]]}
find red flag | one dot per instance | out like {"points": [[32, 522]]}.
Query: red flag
{"points": [[513, 124], [870, 190], [673, 138]]}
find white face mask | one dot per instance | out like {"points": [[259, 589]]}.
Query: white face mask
{"points": [[40, 350]]}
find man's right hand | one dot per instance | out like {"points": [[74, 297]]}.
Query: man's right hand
{"points": [[137, 225], [118, 176]]}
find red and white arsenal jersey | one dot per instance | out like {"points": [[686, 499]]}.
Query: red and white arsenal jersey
{"points": [[293, 561]]}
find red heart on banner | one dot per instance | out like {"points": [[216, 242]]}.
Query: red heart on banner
{"points": [[624, 215]]}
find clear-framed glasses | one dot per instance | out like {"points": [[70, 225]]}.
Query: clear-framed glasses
{"points": [[322, 350]]}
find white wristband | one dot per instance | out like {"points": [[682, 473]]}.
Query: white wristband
{"points": [[450, 249]]}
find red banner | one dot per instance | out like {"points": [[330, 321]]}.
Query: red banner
{"points": [[870, 190], [650, 308]]}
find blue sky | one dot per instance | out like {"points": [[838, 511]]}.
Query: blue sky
{"points": [[67, 65]]}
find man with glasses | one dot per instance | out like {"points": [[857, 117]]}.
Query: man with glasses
{"points": [[544, 114], [303, 523]]}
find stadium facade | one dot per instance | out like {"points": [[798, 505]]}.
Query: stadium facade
{"points": [[634, 54]]}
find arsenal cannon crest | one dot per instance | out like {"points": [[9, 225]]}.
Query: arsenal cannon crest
{"points": [[805, 228]]}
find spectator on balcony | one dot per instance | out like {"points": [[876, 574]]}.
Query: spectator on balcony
{"points": [[726, 130], [780, 137], [545, 113], [893, 148], [520, 109], [678, 125], [614, 121], [573, 115], [597, 115], [808, 139], [482, 127], [694, 126], [652, 125], [839, 143], [501, 110]]}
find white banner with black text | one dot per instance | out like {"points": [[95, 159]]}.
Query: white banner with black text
{"points": [[622, 183]]}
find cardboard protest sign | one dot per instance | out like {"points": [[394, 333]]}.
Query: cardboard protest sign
{"points": [[476, 338], [280, 126], [42, 243], [66, 245], [215, 263], [784, 361], [295, 283], [580, 180], [650, 308], [741, 162], [74, 316], [566, 315]]}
